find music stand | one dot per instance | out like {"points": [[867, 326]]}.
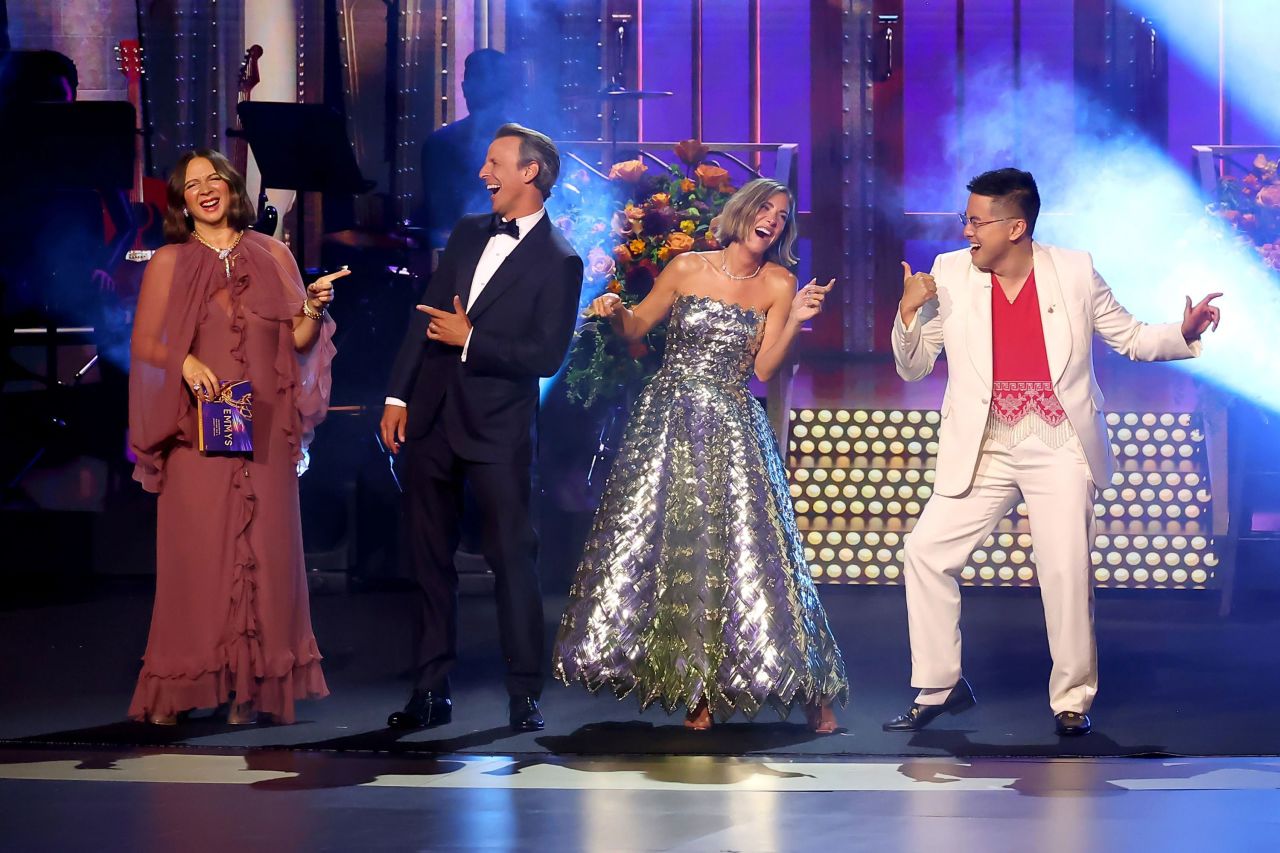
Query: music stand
{"points": [[302, 147]]}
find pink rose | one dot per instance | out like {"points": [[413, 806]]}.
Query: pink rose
{"points": [[600, 263]]}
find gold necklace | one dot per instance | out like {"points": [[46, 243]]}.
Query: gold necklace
{"points": [[724, 268], [224, 255]]}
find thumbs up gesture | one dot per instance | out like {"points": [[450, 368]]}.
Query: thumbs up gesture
{"points": [[917, 290]]}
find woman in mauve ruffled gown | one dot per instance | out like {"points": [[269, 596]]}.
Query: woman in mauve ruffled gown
{"points": [[231, 623], [693, 589]]}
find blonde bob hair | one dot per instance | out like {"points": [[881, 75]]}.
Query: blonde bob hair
{"points": [[739, 216]]}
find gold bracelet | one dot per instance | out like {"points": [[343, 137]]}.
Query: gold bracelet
{"points": [[310, 312]]}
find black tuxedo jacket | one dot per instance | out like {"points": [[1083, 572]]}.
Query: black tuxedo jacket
{"points": [[523, 321]]}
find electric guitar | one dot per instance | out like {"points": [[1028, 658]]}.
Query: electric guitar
{"points": [[268, 216], [148, 197]]}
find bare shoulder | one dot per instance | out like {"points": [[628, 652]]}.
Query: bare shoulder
{"points": [[780, 282], [687, 262]]}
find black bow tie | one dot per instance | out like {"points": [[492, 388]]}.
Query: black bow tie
{"points": [[498, 226]]}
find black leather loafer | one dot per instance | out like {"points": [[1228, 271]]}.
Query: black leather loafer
{"points": [[918, 716], [1071, 724], [424, 710]]}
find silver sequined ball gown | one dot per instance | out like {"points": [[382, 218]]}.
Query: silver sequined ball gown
{"points": [[693, 581]]}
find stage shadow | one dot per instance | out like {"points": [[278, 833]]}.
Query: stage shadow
{"points": [[637, 737], [1096, 745]]}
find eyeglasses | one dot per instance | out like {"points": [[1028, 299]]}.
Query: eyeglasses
{"points": [[978, 223]]}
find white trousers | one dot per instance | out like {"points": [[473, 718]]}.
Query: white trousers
{"points": [[1059, 493]]}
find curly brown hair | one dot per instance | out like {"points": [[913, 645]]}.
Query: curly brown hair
{"points": [[177, 224]]}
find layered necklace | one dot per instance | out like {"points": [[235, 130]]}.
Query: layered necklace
{"points": [[724, 268], [224, 255]]}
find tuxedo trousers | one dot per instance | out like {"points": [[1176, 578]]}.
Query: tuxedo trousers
{"points": [[1059, 492], [435, 478]]}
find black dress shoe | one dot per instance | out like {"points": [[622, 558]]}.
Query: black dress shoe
{"points": [[1071, 724], [424, 710], [918, 716], [525, 716]]}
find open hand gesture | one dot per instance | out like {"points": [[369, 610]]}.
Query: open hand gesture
{"points": [[1198, 318], [448, 327], [808, 301]]}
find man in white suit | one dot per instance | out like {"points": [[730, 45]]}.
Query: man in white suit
{"points": [[1021, 415]]}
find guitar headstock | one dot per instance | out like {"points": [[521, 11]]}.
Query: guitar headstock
{"points": [[249, 76], [129, 59]]}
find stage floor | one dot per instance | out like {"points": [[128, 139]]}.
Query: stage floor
{"points": [[1177, 680]]}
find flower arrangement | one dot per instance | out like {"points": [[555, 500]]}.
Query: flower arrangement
{"points": [[1251, 206], [663, 214]]}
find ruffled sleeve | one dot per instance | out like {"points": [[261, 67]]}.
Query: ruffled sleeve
{"points": [[163, 329]]}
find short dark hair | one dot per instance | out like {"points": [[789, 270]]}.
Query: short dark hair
{"points": [[177, 224], [1011, 186], [537, 148]]}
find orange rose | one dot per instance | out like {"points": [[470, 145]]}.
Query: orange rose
{"points": [[678, 241], [636, 247], [687, 185], [629, 171], [1269, 196], [614, 286], [661, 199], [622, 253], [664, 253], [691, 151], [712, 177]]}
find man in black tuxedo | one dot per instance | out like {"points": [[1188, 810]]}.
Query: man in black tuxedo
{"points": [[498, 314]]}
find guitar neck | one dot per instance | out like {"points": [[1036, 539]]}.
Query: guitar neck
{"points": [[134, 88]]}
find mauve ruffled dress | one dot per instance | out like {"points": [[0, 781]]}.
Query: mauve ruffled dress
{"points": [[231, 611]]}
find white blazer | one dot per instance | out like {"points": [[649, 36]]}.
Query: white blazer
{"points": [[1074, 304]]}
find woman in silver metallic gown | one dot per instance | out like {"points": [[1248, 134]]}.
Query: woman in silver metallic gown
{"points": [[693, 589]]}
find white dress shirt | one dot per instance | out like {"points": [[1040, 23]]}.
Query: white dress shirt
{"points": [[496, 251]]}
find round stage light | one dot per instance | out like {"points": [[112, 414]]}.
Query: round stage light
{"points": [[1026, 573], [986, 573], [1131, 419], [796, 491], [839, 475], [890, 431], [926, 432], [1114, 558], [826, 555], [1167, 419], [802, 506], [850, 491], [1124, 434], [872, 572], [834, 572], [1203, 496], [860, 416], [1211, 559], [806, 446], [1109, 494], [1192, 511], [835, 431], [860, 447], [1199, 576], [1172, 559], [877, 417], [813, 491], [914, 417], [857, 475], [878, 447], [820, 474], [1133, 558], [1095, 557], [897, 416], [857, 508], [818, 431], [834, 537], [893, 508], [1140, 575], [815, 572], [872, 538], [892, 572], [842, 415], [931, 448], [1101, 575], [1149, 419], [1160, 576], [1130, 450], [930, 475], [1186, 451], [886, 491], [1006, 574], [802, 474], [1113, 419], [912, 508], [807, 415], [908, 432], [884, 555], [924, 492], [1101, 540], [875, 507], [868, 491], [853, 537], [872, 432], [1174, 511], [1116, 511], [914, 448], [979, 556], [1151, 559], [1135, 479], [810, 555], [1155, 511], [1147, 495], [1199, 543], [825, 415], [814, 537], [825, 447], [1117, 479], [845, 555], [891, 538], [1141, 434], [968, 573], [832, 490], [1192, 479], [852, 571], [1128, 495], [865, 555], [1160, 434]]}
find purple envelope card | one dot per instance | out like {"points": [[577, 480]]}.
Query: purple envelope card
{"points": [[226, 421]]}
